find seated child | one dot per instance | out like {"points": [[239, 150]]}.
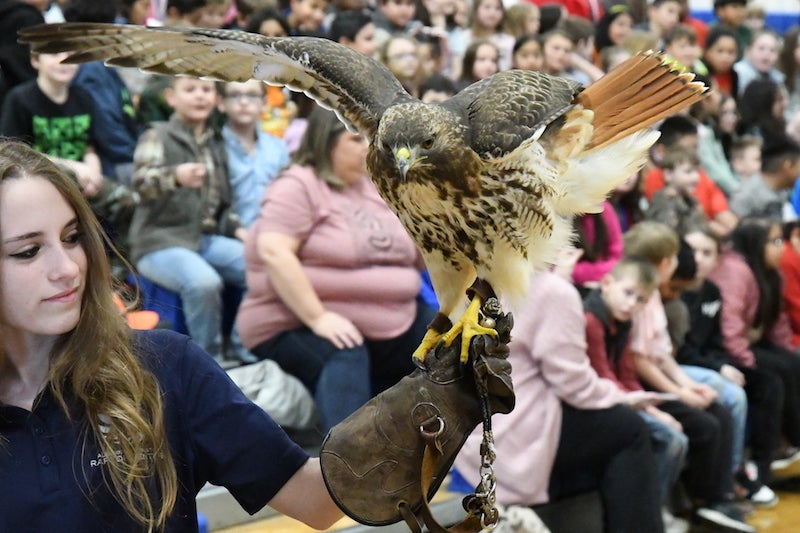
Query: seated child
{"points": [[254, 157], [683, 131], [703, 347], [790, 268], [608, 310], [185, 235], [754, 325], [746, 156], [707, 423], [675, 204], [767, 194], [730, 393], [680, 44]]}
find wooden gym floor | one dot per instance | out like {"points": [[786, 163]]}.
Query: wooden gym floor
{"points": [[783, 518]]}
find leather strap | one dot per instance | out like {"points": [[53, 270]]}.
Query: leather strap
{"points": [[482, 288], [471, 522], [440, 323]]}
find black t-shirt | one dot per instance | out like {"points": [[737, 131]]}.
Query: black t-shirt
{"points": [[703, 345], [59, 130]]}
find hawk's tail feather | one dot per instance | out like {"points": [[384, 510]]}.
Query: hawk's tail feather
{"points": [[638, 93]]}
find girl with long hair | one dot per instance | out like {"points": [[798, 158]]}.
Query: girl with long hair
{"points": [[612, 28], [754, 324], [479, 62], [486, 22], [719, 56], [103, 428], [762, 110]]}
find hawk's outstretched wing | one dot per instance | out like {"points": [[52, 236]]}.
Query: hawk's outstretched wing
{"points": [[356, 87], [508, 108]]}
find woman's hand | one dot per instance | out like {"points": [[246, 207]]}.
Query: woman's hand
{"points": [[337, 329]]}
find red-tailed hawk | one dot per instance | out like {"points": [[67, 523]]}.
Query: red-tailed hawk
{"points": [[486, 183]]}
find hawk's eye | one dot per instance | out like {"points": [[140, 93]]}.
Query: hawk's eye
{"points": [[427, 144], [386, 147]]}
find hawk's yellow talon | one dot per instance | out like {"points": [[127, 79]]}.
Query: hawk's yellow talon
{"points": [[429, 342], [468, 327]]}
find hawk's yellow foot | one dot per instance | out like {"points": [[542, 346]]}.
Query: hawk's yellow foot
{"points": [[429, 342], [436, 328], [469, 327]]}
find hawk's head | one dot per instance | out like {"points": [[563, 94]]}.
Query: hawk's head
{"points": [[417, 142]]}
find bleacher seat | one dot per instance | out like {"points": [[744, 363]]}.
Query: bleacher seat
{"points": [[170, 308]]}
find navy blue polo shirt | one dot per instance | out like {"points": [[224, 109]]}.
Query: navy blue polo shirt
{"points": [[49, 483]]}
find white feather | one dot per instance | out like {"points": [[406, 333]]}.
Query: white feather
{"points": [[588, 179]]}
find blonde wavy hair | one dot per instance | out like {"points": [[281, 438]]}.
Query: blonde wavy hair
{"points": [[95, 367]]}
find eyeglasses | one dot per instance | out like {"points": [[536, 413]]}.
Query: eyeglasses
{"points": [[250, 97], [777, 241]]}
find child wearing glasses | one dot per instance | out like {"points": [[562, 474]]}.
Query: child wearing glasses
{"points": [[755, 327], [254, 156]]}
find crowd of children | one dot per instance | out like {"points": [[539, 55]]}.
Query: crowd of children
{"points": [[689, 278]]}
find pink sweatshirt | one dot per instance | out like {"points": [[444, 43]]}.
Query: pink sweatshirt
{"points": [[740, 296], [586, 271], [549, 364], [358, 257], [649, 332]]}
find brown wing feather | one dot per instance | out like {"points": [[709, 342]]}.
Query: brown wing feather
{"points": [[638, 93], [506, 109], [356, 87]]}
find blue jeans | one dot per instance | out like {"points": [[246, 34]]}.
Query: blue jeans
{"points": [[343, 380], [199, 277], [669, 449], [732, 397]]}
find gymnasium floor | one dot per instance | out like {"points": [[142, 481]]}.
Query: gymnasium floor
{"points": [[783, 518]]}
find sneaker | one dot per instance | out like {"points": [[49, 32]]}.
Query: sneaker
{"points": [[754, 491], [673, 524], [725, 515], [790, 456], [764, 497]]}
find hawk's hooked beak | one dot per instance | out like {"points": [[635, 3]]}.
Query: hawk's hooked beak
{"points": [[403, 158]]}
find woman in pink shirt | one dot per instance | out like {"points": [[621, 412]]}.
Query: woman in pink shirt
{"points": [[570, 431], [332, 276]]}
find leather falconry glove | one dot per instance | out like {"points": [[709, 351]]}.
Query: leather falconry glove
{"points": [[384, 462]]}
